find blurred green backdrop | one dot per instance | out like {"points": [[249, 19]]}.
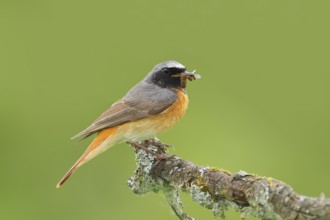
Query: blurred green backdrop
{"points": [[262, 104]]}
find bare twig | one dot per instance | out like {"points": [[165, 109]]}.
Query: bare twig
{"points": [[217, 189]]}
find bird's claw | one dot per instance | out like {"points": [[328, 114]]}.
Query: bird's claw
{"points": [[146, 149], [157, 143]]}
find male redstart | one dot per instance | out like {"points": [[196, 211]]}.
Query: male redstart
{"points": [[151, 107]]}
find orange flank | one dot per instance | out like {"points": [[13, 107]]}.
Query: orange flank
{"points": [[99, 139]]}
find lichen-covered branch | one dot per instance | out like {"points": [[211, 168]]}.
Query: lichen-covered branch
{"points": [[218, 189]]}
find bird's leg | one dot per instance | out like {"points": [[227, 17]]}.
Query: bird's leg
{"points": [[157, 143], [136, 144]]}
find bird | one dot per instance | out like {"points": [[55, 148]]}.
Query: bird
{"points": [[149, 108]]}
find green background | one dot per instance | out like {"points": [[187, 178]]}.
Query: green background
{"points": [[262, 104]]}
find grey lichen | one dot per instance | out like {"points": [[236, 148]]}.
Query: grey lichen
{"points": [[204, 199], [142, 182], [173, 199], [218, 190]]}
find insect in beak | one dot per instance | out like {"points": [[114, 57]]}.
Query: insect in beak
{"points": [[187, 75]]}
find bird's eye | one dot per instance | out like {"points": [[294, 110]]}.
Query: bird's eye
{"points": [[166, 70]]}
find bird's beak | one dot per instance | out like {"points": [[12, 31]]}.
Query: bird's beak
{"points": [[188, 75]]}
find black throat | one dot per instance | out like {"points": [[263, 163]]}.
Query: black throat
{"points": [[164, 77], [166, 81]]}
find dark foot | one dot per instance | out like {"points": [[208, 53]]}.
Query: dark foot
{"points": [[157, 143], [154, 154]]}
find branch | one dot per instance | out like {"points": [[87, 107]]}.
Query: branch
{"points": [[218, 189]]}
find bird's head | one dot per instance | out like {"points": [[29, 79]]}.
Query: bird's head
{"points": [[171, 74]]}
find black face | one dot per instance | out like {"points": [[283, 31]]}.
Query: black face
{"points": [[164, 77]]}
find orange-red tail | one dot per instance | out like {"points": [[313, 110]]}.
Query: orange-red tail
{"points": [[90, 153]]}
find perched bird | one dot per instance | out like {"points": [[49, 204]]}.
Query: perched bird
{"points": [[151, 107]]}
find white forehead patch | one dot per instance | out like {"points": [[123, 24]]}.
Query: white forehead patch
{"points": [[174, 64], [170, 64]]}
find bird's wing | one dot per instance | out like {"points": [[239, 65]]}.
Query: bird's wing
{"points": [[141, 101]]}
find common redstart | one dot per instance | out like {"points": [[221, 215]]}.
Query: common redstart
{"points": [[151, 107]]}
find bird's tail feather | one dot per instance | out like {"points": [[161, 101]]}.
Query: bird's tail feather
{"points": [[69, 173], [92, 151]]}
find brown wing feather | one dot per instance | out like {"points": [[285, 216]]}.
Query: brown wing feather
{"points": [[141, 101]]}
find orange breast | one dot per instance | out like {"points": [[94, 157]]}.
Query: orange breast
{"points": [[154, 125], [176, 111]]}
